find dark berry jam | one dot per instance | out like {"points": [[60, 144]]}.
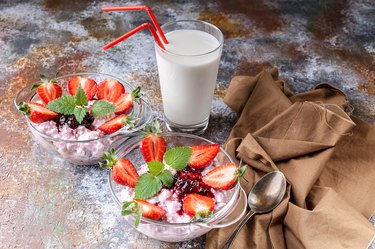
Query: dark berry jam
{"points": [[71, 121], [189, 181]]}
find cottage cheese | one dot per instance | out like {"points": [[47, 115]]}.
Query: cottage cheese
{"points": [[76, 150], [168, 201]]}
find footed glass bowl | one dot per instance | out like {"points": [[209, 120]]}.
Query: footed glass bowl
{"points": [[234, 209], [85, 151]]}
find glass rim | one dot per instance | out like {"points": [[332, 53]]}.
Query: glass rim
{"points": [[221, 41]]}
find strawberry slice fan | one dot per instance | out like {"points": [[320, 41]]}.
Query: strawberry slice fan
{"points": [[158, 36]]}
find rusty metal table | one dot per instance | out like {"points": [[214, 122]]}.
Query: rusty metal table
{"points": [[46, 202]]}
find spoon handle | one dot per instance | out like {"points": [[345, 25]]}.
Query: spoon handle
{"points": [[237, 230]]}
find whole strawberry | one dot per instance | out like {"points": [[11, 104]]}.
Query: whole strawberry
{"points": [[123, 171], [47, 90], [152, 145]]}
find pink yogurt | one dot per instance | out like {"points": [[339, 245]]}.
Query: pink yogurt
{"points": [[168, 201]]}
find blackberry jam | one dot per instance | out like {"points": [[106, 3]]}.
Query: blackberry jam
{"points": [[189, 181], [71, 121]]}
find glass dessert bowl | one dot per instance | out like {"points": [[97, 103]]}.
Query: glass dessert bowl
{"points": [[175, 224], [84, 142]]}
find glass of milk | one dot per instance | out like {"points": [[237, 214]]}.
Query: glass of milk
{"points": [[188, 68]]}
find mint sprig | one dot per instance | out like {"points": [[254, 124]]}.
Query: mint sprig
{"points": [[147, 186], [155, 167], [178, 157], [77, 105], [80, 97], [150, 184], [166, 177], [101, 108], [64, 105]]}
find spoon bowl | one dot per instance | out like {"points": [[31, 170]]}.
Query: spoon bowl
{"points": [[265, 195]]}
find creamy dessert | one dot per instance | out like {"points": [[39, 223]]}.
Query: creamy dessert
{"points": [[77, 123], [177, 185]]}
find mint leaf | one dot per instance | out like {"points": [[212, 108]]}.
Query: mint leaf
{"points": [[81, 98], [102, 107], [166, 177], [178, 157], [155, 167], [147, 186], [79, 113], [64, 105]]}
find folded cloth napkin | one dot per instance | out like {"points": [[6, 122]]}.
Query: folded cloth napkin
{"points": [[327, 157]]}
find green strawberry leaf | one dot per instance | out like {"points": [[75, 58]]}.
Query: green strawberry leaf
{"points": [[81, 98], [147, 186], [129, 207], [44, 79], [178, 157], [166, 177], [155, 167], [79, 113], [64, 105], [102, 107], [36, 86], [138, 219]]}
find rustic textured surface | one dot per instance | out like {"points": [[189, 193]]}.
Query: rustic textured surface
{"points": [[45, 202]]}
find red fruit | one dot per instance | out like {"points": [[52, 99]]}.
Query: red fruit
{"points": [[88, 85], [115, 124], [48, 90], [224, 177], [110, 90], [125, 102], [150, 211], [37, 112], [153, 146], [195, 204], [123, 171], [203, 155]]}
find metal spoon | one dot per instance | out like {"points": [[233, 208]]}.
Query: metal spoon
{"points": [[265, 195]]}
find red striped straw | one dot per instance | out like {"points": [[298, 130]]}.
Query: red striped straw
{"points": [[140, 7], [132, 32]]}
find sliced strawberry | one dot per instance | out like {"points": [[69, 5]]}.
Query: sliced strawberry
{"points": [[116, 124], [87, 84], [110, 90], [195, 204], [203, 155], [123, 171], [224, 177], [153, 146], [150, 211], [125, 102], [37, 112], [48, 90]]}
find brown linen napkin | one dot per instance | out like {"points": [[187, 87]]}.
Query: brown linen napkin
{"points": [[328, 160]]}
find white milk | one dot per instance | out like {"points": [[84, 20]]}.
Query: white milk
{"points": [[188, 75]]}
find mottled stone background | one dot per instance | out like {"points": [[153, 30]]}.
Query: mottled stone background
{"points": [[45, 202]]}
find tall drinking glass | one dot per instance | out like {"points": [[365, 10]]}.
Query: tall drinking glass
{"points": [[188, 68]]}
